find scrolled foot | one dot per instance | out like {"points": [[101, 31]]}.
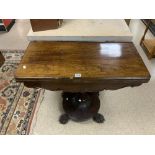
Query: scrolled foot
{"points": [[64, 118], [99, 118]]}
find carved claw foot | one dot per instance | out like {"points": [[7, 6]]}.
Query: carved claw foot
{"points": [[64, 118], [99, 118]]}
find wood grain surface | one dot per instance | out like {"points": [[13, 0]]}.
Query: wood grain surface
{"points": [[45, 24], [81, 66]]}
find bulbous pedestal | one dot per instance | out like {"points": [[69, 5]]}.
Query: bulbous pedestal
{"points": [[80, 107]]}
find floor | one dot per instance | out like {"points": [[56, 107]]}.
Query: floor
{"points": [[16, 38], [127, 110]]}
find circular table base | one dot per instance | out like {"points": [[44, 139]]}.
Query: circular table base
{"points": [[80, 107]]}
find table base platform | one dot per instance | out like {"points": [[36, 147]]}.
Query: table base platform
{"points": [[80, 107]]}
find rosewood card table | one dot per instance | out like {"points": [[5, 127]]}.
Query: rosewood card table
{"points": [[81, 70]]}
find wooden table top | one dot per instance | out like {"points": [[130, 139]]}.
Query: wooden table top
{"points": [[81, 66], [68, 60]]}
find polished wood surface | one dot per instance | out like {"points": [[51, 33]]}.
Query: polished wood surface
{"points": [[148, 46], [56, 65], [1, 59], [45, 24]]}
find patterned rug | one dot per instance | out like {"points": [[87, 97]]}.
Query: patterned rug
{"points": [[17, 102]]}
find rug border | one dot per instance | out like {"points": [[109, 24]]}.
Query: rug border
{"points": [[40, 95], [33, 118]]}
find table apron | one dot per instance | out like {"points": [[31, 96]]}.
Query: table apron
{"points": [[85, 86]]}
